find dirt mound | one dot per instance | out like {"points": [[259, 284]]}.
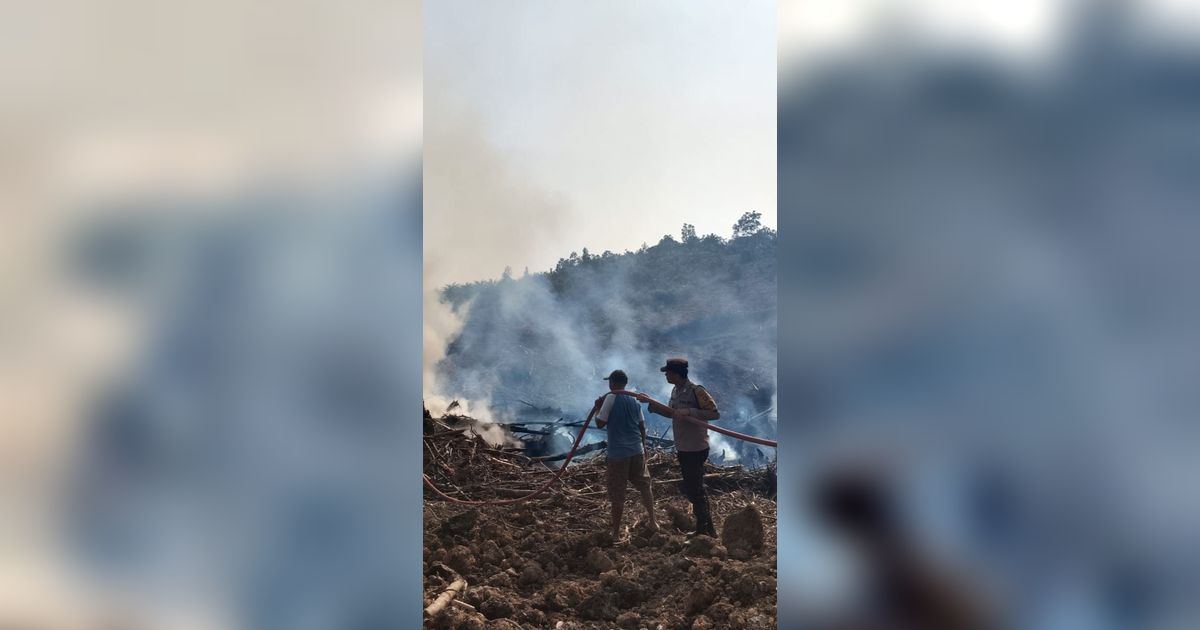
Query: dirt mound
{"points": [[550, 562], [743, 532]]}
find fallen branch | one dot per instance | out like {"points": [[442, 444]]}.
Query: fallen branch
{"points": [[504, 463], [445, 598]]}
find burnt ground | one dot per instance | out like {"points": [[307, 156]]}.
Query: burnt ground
{"points": [[551, 563]]}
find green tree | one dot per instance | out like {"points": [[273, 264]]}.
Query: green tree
{"points": [[688, 233], [749, 224]]}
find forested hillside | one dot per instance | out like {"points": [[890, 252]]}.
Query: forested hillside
{"points": [[544, 340]]}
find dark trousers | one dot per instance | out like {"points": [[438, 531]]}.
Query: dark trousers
{"points": [[692, 465]]}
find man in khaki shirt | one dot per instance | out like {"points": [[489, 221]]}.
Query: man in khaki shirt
{"points": [[691, 441]]}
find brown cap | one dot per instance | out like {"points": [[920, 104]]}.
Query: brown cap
{"points": [[674, 364], [617, 376]]}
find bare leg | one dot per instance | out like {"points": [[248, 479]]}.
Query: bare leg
{"points": [[641, 481], [617, 496], [647, 495]]}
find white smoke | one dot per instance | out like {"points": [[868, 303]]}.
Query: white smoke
{"points": [[476, 210]]}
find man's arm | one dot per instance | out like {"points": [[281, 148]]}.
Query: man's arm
{"points": [[660, 409], [707, 415], [604, 405], [654, 406], [708, 406], [642, 428]]}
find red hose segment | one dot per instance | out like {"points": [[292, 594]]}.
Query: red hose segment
{"points": [[740, 436], [730, 433]]}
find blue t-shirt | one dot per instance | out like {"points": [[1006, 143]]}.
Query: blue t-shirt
{"points": [[624, 417]]}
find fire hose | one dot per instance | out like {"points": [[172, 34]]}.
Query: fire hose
{"points": [[570, 454], [733, 434]]}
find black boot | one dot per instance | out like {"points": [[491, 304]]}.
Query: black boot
{"points": [[705, 526], [698, 512]]}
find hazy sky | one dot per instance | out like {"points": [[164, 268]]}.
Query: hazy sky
{"points": [[553, 126], [1024, 31]]}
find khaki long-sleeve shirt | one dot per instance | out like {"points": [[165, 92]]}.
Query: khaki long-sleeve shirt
{"points": [[699, 404]]}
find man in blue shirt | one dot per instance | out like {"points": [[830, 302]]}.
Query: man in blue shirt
{"points": [[622, 416]]}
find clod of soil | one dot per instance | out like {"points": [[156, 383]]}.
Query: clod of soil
{"points": [[460, 523], [599, 561], [531, 575], [701, 546], [629, 620], [680, 519], [743, 530]]}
